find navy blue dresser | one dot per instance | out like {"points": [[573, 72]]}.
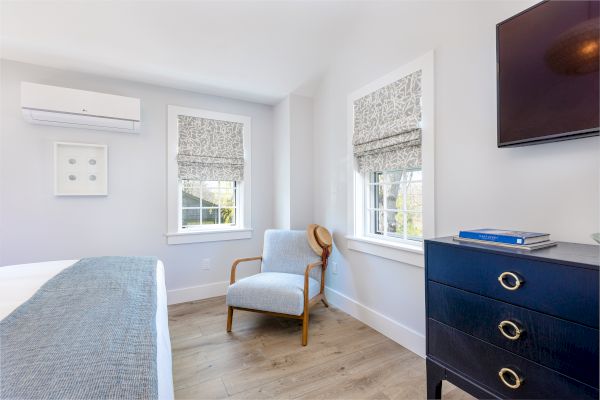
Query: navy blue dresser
{"points": [[504, 323]]}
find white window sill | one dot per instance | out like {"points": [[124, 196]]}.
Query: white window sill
{"points": [[402, 252], [208, 236]]}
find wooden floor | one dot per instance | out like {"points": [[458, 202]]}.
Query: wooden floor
{"points": [[263, 358]]}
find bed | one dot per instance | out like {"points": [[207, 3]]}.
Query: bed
{"points": [[18, 283]]}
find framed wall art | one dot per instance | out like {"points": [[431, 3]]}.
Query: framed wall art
{"points": [[80, 169]]}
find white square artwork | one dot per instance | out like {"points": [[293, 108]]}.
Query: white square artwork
{"points": [[80, 169]]}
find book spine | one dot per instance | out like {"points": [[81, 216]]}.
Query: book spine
{"points": [[491, 238]]}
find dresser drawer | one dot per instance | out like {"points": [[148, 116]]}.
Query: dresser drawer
{"points": [[566, 292], [482, 362], [563, 346]]}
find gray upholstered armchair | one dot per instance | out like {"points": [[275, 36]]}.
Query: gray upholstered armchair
{"points": [[291, 280]]}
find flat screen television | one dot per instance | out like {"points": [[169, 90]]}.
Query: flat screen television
{"points": [[547, 73]]}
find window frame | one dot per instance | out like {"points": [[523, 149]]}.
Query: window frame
{"points": [[243, 228], [357, 237]]}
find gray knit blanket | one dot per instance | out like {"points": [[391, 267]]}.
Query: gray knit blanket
{"points": [[88, 333]]}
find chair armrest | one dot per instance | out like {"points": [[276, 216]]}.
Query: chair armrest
{"points": [[235, 264], [309, 267]]}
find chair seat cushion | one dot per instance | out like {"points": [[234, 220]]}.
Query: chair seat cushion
{"points": [[277, 292]]}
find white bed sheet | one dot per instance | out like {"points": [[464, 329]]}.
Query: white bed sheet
{"points": [[19, 282]]}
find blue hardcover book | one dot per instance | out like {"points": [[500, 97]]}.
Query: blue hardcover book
{"points": [[502, 236]]}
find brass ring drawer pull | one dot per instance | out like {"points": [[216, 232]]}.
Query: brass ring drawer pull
{"points": [[517, 281], [504, 372], [515, 328]]}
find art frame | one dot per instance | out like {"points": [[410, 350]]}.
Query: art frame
{"points": [[80, 169]]}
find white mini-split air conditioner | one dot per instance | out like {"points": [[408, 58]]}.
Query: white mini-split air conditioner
{"points": [[53, 105]]}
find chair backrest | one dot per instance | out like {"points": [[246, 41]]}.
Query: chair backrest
{"points": [[288, 251]]}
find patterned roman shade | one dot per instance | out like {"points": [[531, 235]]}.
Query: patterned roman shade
{"points": [[387, 130], [210, 150]]}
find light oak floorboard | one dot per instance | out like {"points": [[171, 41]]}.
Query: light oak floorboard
{"points": [[263, 359]]}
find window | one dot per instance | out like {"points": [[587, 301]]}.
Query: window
{"points": [[391, 170], [395, 205], [208, 203], [209, 176]]}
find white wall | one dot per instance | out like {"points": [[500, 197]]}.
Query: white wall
{"points": [[293, 162], [302, 158], [132, 220], [549, 187], [281, 164]]}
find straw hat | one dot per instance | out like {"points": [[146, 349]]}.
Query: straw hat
{"points": [[319, 238], [312, 240], [323, 237]]}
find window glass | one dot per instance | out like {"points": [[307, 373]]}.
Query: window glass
{"points": [[208, 203], [395, 204]]}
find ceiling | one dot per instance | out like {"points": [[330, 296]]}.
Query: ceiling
{"points": [[258, 51]]}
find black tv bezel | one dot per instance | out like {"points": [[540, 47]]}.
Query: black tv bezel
{"points": [[540, 139]]}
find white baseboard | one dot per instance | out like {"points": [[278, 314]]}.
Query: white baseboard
{"points": [[399, 333], [200, 292]]}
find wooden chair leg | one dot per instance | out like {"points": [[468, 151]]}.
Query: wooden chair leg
{"points": [[324, 300], [229, 318], [305, 329]]}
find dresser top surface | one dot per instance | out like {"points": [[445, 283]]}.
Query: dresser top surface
{"points": [[576, 254]]}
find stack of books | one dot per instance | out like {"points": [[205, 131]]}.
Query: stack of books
{"points": [[512, 239]]}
